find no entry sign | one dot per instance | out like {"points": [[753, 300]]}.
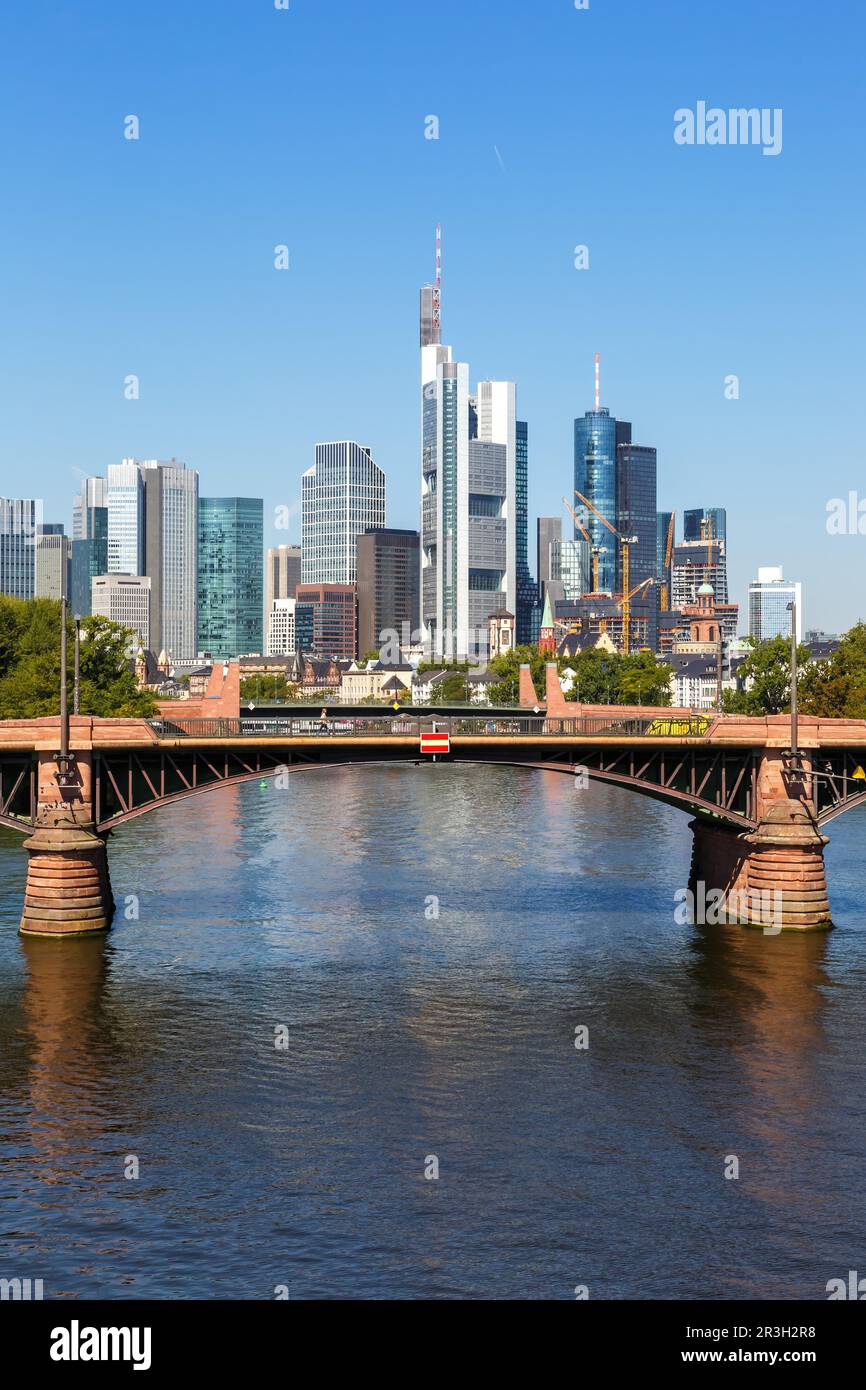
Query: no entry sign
{"points": [[435, 742]]}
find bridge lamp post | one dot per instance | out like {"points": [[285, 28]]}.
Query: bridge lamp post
{"points": [[65, 764], [76, 684], [792, 609]]}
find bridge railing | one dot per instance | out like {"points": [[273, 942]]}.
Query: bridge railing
{"points": [[406, 725]]}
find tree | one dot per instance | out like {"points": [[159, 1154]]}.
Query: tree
{"points": [[274, 687], [451, 691], [835, 688], [767, 672], [30, 664], [507, 667]]}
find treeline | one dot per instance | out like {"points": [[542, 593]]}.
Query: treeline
{"points": [[30, 664]]}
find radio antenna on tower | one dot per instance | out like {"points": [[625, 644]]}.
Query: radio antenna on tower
{"points": [[437, 289], [596, 382]]}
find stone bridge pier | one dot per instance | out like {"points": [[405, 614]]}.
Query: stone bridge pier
{"points": [[68, 890], [771, 877]]}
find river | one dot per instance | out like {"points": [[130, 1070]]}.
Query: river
{"points": [[328, 1050]]}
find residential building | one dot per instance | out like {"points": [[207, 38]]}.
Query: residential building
{"points": [[334, 619], [769, 596], [125, 599], [230, 537], [20, 524], [342, 495], [388, 584]]}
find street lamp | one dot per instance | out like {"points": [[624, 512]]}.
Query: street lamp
{"points": [[76, 684], [792, 609]]}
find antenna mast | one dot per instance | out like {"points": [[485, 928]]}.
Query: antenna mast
{"points": [[437, 291], [596, 382]]}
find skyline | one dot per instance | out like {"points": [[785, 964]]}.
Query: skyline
{"points": [[155, 257]]}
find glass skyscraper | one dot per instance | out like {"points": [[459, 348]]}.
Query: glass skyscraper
{"points": [[342, 495], [596, 436], [20, 519], [230, 576], [696, 523], [89, 558], [769, 596], [526, 589], [125, 502]]}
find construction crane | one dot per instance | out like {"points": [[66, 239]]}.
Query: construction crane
{"points": [[666, 587], [624, 542], [595, 550]]}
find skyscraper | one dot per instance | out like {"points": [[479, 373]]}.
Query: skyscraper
{"points": [[282, 573], [619, 478], [125, 502], [697, 522], [20, 521], [230, 537], [469, 497], [89, 558], [342, 495], [387, 587], [334, 627], [93, 496], [171, 556], [125, 599], [548, 530], [769, 596], [52, 565]]}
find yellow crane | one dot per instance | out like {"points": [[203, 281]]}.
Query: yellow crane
{"points": [[595, 550], [625, 542], [666, 588]]}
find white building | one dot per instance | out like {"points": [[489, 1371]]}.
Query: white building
{"points": [[342, 495], [124, 498], [93, 493], [125, 599], [769, 596], [20, 521], [468, 497], [280, 639]]}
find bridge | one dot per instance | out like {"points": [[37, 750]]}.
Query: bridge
{"points": [[758, 806]]}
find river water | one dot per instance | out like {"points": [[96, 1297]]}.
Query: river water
{"points": [[425, 941]]}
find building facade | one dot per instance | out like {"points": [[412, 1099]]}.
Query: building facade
{"points": [[124, 499], [342, 495], [705, 523], [281, 640], [89, 558], [93, 496], [125, 599], [230, 582], [388, 587], [769, 596], [333, 624], [20, 523], [548, 529], [171, 556], [53, 556], [282, 573]]}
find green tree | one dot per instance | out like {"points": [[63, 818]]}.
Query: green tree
{"points": [[274, 687], [451, 691], [30, 664], [506, 689], [767, 669], [835, 687]]}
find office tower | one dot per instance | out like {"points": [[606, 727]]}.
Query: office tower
{"points": [[388, 576], [171, 556], [20, 525], [619, 479], [52, 564], [636, 517], [125, 502], [469, 553], [342, 495], [570, 570], [125, 599], [89, 558], [230, 538], [282, 573], [548, 530], [304, 625], [93, 496], [281, 628], [769, 596], [525, 585], [334, 619], [697, 521]]}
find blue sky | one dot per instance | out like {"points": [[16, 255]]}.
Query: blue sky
{"points": [[306, 127]]}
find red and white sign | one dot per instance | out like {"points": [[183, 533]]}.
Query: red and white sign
{"points": [[435, 742]]}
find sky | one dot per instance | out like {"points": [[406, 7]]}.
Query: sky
{"points": [[305, 127]]}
